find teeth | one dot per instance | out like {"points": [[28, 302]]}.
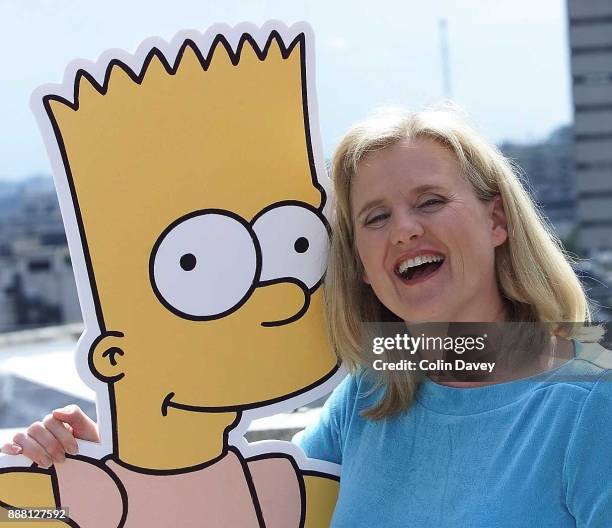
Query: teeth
{"points": [[417, 261]]}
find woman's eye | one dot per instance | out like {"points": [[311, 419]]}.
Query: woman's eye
{"points": [[432, 202], [376, 218]]}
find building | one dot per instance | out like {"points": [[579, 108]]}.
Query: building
{"points": [[37, 286], [548, 169], [590, 32]]}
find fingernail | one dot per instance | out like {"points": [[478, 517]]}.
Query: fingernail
{"points": [[46, 463], [72, 450], [16, 448]]}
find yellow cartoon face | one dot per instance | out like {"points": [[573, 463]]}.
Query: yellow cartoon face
{"points": [[200, 218]]}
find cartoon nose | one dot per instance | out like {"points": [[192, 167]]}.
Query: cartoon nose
{"points": [[279, 303], [405, 227]]}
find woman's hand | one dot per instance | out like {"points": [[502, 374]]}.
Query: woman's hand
{"points": [[49, 440]]}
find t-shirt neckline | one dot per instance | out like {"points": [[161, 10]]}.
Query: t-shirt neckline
{"points": [[473, 400]]}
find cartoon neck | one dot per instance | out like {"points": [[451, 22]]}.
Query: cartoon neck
{"points": [[181, 439]]}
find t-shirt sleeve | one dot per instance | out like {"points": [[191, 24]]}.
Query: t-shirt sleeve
{"points": [[323, 440], [588, 466]]}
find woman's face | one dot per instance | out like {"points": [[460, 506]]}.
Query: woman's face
{"points": [[427, 243]]}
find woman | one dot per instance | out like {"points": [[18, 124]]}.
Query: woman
{"points": [[534, 452], [432, 225]]}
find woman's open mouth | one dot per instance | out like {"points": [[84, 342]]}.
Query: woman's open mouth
{"points": [[419, 269]]}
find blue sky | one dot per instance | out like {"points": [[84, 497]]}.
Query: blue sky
{"points": [[509, 58]]}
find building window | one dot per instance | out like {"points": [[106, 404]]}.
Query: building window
{"points": [[40, 265], [53, 239], [593, 165], [594, 136], [596, 223], [592, 50], [593, 107], [595, 195], [593, 79], [590, 20]]}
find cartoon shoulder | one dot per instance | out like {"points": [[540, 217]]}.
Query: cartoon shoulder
{"points": [[278, 483], [84, 485]]}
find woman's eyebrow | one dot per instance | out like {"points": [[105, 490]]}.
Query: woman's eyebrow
{"points": [[426, 187]]}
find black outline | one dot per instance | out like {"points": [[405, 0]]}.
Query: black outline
{"points": [[58, 499], [75, 202], [321, 474], [110, 352], [299, 474], [251, 485]]}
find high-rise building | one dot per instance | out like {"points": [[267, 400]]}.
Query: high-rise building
{"points": [[548, 171], [590, 30]]}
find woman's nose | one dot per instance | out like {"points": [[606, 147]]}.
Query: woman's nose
{"points": [[405, 228]]}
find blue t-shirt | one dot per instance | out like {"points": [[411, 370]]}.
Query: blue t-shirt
{"points": [[529, 453]]}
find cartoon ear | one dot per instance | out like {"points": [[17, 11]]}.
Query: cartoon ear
{"points": [[105, 356]]}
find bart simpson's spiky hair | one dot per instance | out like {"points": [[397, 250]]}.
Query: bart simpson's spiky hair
{"points": [[143, 146], [220, 49]]}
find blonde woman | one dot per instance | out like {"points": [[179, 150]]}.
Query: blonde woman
{"points": [[432, 224]]}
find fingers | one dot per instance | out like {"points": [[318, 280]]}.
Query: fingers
{"points": [[48, 441], [33, 450], [61, 434], [82, 426], [11, 448], [42, 436]]}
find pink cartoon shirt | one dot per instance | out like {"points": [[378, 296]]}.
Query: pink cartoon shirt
{"points": [[231, 492]]}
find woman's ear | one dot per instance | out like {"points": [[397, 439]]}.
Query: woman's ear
{"points": [[499, 222]]}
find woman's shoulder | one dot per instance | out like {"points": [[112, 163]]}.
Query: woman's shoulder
{"points": [[357, 390], [589, 376], [591, 369], [593, 357]]}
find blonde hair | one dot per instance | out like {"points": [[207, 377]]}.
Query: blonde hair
{"points": [[533, 271]]}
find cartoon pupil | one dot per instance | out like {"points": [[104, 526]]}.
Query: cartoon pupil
{"points": [[204, 286]]}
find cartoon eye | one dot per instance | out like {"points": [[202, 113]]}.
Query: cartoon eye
{"points": [[294, 243], [204, 265]]}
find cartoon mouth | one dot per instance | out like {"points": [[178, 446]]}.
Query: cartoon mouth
{"points": [[184, 407]]}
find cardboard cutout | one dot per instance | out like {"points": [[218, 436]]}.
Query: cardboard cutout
{"points": [[191, 183]]}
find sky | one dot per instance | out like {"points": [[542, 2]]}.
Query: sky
{"points": [[509, 59]]}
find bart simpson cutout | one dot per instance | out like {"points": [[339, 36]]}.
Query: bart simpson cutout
{"points": [[190, 180]]}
